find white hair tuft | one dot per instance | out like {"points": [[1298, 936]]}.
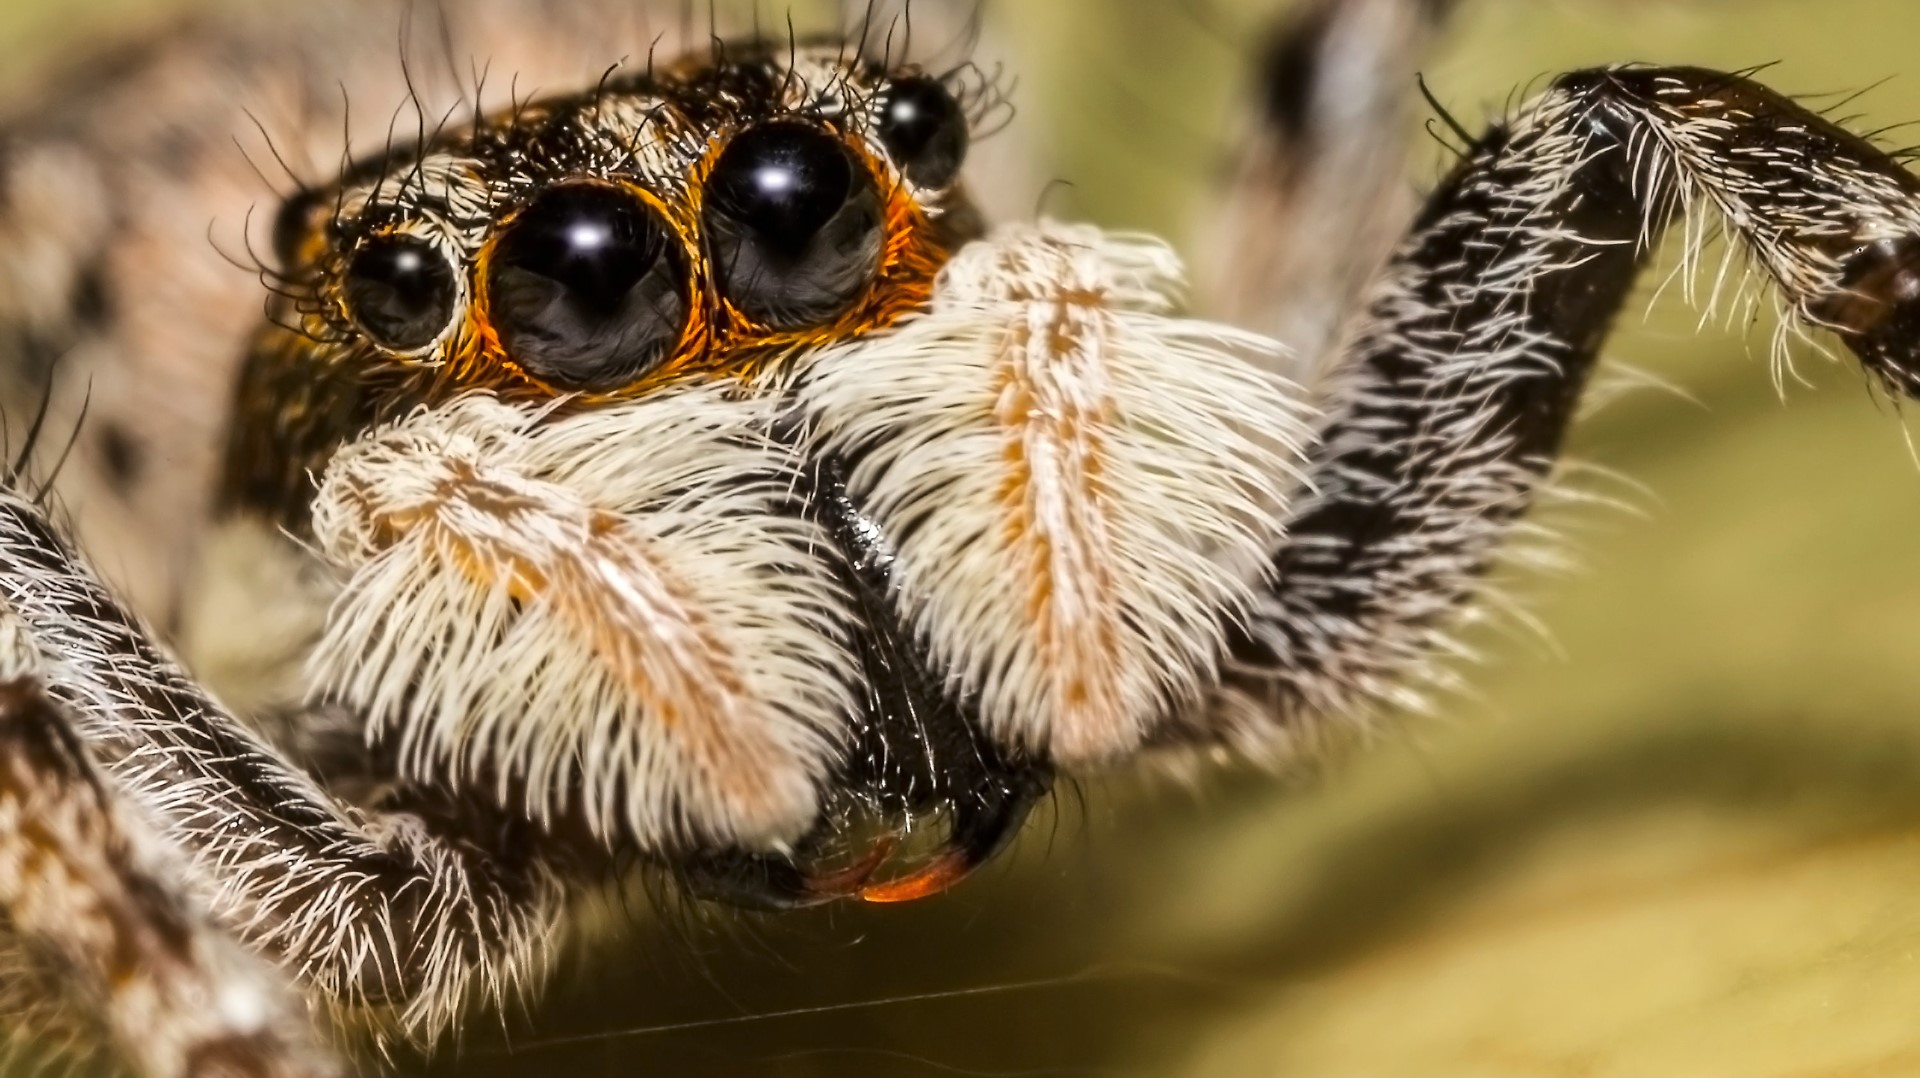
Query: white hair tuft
{"points": [[1083, 490], [605, 613]]}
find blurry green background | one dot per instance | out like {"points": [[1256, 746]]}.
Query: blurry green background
{"points": [[1676, 834]]}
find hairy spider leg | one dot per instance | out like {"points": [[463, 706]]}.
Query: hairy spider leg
{"points": [[1447, 410], [374, 911], [83, 886]]}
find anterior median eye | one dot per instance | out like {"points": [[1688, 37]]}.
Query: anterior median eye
{"points": [[924, 128], [792, 225], [587, 289], [400, 291]]}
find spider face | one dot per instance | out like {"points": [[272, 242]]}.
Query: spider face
{"points": [[675, 504], [678, 467]]}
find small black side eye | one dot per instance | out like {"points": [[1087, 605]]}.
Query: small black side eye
{"points": [[400, 290], [924, 128], [792, 225], [587, 287]]}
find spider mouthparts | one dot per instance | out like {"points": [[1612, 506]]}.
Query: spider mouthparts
{"points": [[953, 864], [827, 886], [776, 885], [982, 827]]}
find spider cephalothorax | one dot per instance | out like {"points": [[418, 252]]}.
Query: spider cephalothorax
{"points": [[680, 467]]}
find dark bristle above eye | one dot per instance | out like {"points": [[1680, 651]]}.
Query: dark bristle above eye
{"points": [[292, 223], [400, 290], [587, 288], [923, 126], [793, 225]]}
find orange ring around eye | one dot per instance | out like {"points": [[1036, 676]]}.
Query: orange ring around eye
{"points": [[482, 358], [717, 338], [903, 282]]}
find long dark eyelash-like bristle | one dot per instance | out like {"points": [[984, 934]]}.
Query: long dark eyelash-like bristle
{"points": [[986, 97], [1444, 116], [42, 495], [273, 148], [859, 41], [30, 442]]}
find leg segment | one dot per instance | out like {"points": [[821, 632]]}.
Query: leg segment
{"points": [[1450, 404], [1320, 169], [87, 904], [372, 911]]}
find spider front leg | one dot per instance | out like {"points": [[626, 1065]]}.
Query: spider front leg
{"points": [[1448, 408], [371, 912], [98, 926]]}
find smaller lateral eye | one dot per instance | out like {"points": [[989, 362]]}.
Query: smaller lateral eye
{"points": [[924, 128], [400, 291]]}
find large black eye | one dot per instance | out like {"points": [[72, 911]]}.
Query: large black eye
{"points": [[922, 126], [792, 225], [587, 288], [400, 290]]}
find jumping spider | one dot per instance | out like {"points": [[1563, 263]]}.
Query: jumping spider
{"points": [[678, 468]]}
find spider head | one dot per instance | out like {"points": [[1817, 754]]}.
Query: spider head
{"points": [[694, 480]]}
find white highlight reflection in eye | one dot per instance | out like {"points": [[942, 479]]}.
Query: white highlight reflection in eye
{"points": [[588, 236], [774, 179]]}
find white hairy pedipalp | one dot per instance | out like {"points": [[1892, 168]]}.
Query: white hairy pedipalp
{"points": [[1082, 489], [609, 601]]}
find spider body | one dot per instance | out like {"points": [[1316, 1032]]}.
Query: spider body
{"points": [[678, 467]]}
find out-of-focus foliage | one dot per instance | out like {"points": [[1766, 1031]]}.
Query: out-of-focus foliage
{"points": [[1674, 835]]}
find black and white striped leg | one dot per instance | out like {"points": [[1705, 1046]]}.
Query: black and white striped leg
{"points": [[1319, 169], [375, 914], [1450, 404]]}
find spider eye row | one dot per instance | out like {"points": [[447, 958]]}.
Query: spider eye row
{"points": [[587, 286]]}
